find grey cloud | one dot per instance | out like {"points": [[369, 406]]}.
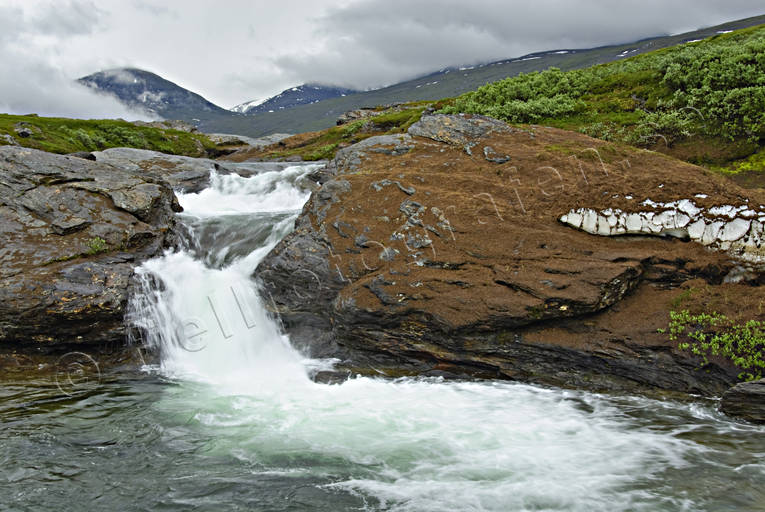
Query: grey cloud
{"points": [[30, 83], [62, 19], [374, 42]]}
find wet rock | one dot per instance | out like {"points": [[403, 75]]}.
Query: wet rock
{"points": [[73, 230], [473, 273], [746, 401]]}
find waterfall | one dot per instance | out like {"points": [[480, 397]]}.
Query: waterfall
{"points": [[198, 305]]}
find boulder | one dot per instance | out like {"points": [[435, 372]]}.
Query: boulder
{"points": [[448, 251], [8, 139], [72, 231], [746, 401]]}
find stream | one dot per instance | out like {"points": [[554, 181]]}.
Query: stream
{"points": [[228, 419]]}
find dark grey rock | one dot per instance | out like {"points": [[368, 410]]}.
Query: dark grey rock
{"points": [[746, 401], [72, 231], [492, 156]]}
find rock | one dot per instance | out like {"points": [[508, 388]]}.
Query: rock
{"points": [[460, 130], [72, 231], [355, 115], [87, 155], [746, 401], [182, 126], [181, 172], [464, 267], [9, 139], [259, 143]]}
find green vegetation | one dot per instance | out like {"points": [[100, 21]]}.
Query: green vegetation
{"points": [[97, 245], [59, 135], [753, 163], [324, 144], [717, 335], [711, 91]]}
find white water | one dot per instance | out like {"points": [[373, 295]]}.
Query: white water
{"points": [[408, 444]]}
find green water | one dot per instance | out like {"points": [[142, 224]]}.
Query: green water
{"points": [[134, 440]]}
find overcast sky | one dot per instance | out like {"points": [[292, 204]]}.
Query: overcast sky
{"points": [[231, 51]]}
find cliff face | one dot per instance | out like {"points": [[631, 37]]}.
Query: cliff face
{"points": [[468, 247]]}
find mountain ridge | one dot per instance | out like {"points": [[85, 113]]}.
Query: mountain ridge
{"points": [[303, 94], [445, 83]]}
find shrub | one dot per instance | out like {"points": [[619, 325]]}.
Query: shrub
{"points": [[717, 335]]}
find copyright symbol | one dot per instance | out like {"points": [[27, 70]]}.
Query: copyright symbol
{"points": [[76, 372]]}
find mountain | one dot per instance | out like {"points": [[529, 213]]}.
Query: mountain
{"points": [[455, 81], [143, 90], [305, 94]]}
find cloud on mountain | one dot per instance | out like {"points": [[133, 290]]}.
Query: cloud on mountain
{"points": [[237, 50], [29, 82], [370, 43]]}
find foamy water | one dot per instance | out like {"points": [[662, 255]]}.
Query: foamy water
{"points": [[408, 444]]}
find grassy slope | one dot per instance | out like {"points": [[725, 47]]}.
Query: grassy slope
{"points": [[447, 83], [60, 135], [703, 102], [323, 144]]}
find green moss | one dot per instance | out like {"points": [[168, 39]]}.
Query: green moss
{"points": [[754, 163], [97, 245], [683, 297], [59, 135], [325, 143]]}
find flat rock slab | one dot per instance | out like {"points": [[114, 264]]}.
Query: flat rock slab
{"points": [[183, 173], [441, 251], [72, 231]]}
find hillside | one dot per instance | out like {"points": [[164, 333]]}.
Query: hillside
{"points": [[147, 91], [703, 101], [60, 135], [453, 82]]}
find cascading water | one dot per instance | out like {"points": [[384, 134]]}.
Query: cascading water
{"points": [[205, 317], [407, 444]]}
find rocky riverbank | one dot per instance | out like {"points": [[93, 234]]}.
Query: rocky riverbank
{"points": [[73, 230], [470, 248], [463, 248]]}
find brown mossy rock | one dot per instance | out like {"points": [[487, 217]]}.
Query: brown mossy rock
{"points": [[72, 231], [440, 252]]}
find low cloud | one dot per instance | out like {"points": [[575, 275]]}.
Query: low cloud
{"points": [[31, 82]]}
